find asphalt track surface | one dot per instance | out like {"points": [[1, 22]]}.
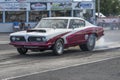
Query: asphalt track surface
{"points": [[103, 70], [101, 64]]}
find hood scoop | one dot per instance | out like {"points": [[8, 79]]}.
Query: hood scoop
{"points": [[35, 30]]}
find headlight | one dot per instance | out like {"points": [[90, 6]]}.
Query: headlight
{"points": [[13, 38], [41, 39], [38, 39], [44, 39], [17, 38]]}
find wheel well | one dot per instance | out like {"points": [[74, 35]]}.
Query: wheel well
{"points": [[62, 40], [56, 40]]}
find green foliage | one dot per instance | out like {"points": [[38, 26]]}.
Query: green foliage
{"points": [[109, 7]]}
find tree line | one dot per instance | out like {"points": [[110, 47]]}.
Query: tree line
{"points": [[109, 7]]}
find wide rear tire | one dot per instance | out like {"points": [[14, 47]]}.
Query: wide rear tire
{"points": [[90, 44], [22, 51]]}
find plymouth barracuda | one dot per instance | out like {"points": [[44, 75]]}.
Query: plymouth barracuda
{"points": [[56, 34]]}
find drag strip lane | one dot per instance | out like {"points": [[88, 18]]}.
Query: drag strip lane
{"points": [[12, 57], [100, 70], [12, 65], [34, 63]]}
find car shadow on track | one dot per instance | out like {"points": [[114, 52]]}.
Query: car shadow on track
{"points": [[69, 53], [50, 55]]}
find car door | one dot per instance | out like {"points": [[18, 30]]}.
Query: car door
{"points": [[77, 34]]}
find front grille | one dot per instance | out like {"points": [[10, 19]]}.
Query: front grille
{"points": [[17, 38], [35, 39]]}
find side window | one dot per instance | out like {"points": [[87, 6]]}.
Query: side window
{"points": [[76, 23], [82, 23]]}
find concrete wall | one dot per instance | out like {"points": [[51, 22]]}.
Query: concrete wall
{"points": [[8, 27]]}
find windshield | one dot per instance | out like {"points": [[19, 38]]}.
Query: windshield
{"points": [[52, 23]]}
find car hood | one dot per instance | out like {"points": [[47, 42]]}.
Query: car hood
{"points": [[47, 32]]}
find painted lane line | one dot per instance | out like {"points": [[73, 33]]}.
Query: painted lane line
{"points": [[75, 65], [65, 66]]}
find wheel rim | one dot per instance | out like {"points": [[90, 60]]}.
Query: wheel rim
{"points": [[59, 47], [23, 49], [91, 41]]}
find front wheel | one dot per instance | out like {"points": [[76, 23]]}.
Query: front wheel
{"points": [[90, 44], [22, 51], [58, 47]]}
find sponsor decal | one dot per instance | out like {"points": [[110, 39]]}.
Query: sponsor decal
{"points": [[83, 5], [38, 6], [49, 0], [8, 0], [21, 0], [61, 6], [14, 6]]}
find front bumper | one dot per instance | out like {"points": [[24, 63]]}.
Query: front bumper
{"points": [[30, 45]]}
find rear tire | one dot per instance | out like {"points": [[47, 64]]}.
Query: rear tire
{"points": [[22, 51], [58, 47], [90, 44]]}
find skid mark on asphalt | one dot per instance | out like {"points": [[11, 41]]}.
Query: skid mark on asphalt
{"points": [[88, 62], [105, 48]]}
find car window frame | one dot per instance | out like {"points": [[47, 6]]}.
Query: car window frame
{"points": [[71, 23]]}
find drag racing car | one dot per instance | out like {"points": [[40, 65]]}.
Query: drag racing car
{"points": [[57, 34]]}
